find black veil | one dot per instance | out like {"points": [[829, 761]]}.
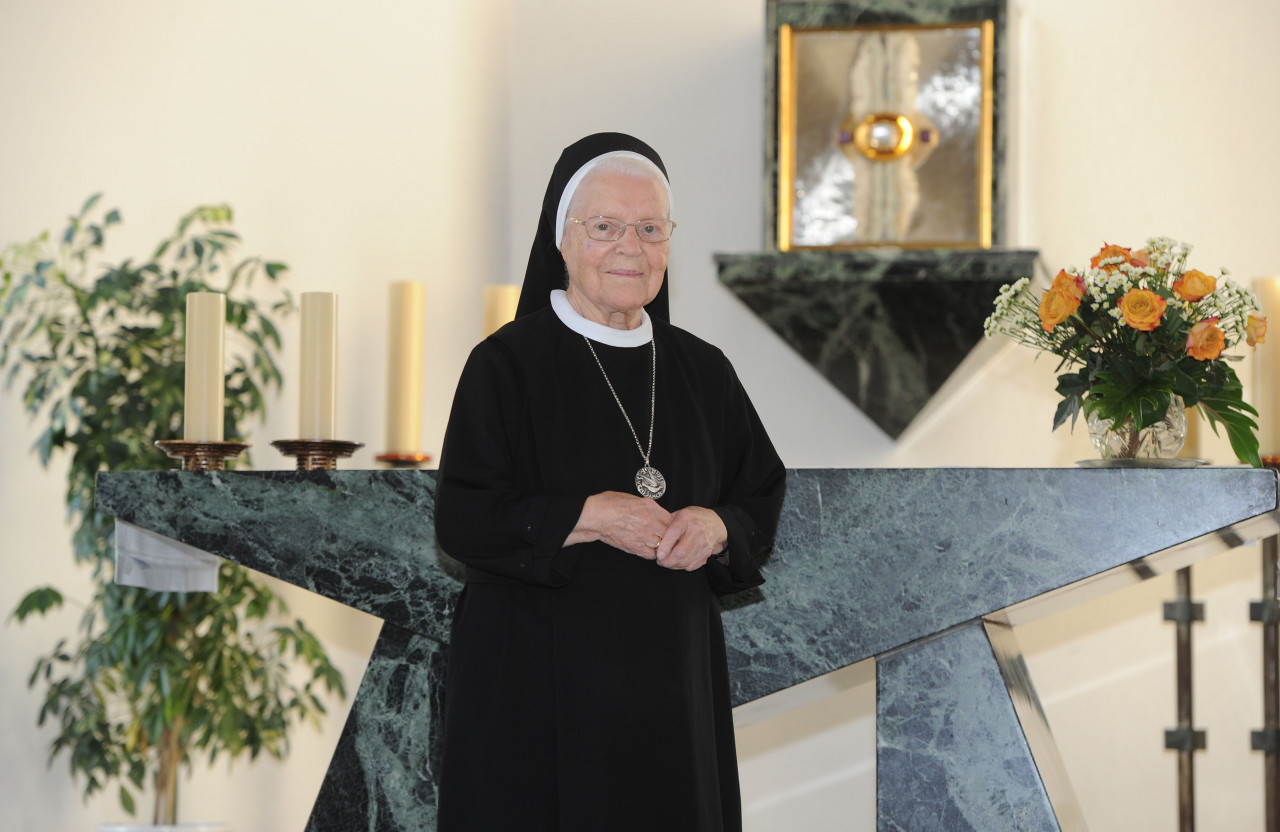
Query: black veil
{"points": [[545, 271]]}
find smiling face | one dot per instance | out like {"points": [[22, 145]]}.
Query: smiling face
{"points": [[610, 282]]}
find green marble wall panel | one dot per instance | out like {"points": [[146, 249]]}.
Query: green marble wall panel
{"points": [[885, 327], [866, 562]]}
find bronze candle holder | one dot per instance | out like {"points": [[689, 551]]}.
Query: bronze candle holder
{"points": [[316, 454], [403, 460], [201, 455]]}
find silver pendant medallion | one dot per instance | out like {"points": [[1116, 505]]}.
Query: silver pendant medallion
{"points": [[650, 482]]}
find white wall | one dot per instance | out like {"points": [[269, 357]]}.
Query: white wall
{"points": [[413, 141]]}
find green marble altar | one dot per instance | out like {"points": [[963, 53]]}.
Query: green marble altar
{"points": [[925, 569]]}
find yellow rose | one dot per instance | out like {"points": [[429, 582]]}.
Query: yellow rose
{"points": [[1194, 285], [1255, 331], [1071, 284], [1056, 306], [1142, 309], [1206, 341]]}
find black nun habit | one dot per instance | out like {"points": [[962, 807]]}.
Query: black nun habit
{"points": [[587, 688]]}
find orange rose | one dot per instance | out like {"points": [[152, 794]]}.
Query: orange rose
{"points": [[1109, 252], [1071, 284], [1205, 341], [1140, 258], [1255, 331], [1142, 309], [1056, 306], [1194, 285]]}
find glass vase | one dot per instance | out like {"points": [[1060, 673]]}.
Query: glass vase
{"points": [[1163, 440]]}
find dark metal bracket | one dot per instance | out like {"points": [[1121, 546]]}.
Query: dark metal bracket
{"points": [[1265, 612], [1184, 611], [1185, 739], [1267, 740]]}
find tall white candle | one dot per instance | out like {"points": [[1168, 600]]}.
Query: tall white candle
{"points": [[318, 413], [499, 306], [1266, 363], [404, 367], [205, 367]]}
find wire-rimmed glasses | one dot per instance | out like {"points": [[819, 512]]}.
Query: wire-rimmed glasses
{"points": [[609, 229]]}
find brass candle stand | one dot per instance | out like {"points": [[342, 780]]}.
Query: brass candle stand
{"points": [[404, 460], [316, 454], [201, 455]]}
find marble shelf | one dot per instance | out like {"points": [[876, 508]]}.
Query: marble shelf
{"points": [[886, 327], [924, 569]]}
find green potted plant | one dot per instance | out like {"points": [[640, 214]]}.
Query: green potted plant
{"points": [[150, 678]]}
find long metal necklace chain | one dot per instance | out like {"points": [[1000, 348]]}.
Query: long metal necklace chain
{"points": [[649, 480]]}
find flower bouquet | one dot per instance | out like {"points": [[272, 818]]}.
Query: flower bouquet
{"points": [[1136, 329]]}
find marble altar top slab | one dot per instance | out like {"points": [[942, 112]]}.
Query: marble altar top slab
{"points": [[872, 559], [866, 560], [363, 538]]}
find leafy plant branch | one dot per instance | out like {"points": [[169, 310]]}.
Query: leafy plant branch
{"points": [[150, 677]]}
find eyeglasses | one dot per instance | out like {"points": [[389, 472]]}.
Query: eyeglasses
{"points": [[608, 229]]}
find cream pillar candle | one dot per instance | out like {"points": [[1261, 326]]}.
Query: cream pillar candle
{"points": [[404, 367], [1191, 448], [318, 413], [1266, 363], [499, 306], [205, 367]]}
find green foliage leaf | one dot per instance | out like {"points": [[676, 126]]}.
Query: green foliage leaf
{"points": [[1072, 387], [99, 352], [1230, 410], [38, 601]]}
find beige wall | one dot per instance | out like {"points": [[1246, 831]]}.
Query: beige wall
{"points": [[412, 141]]}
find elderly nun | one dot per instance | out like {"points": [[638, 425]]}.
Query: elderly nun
{"points": [[604, 478]]}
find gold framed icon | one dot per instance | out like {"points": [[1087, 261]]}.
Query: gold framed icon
{"points": [[884, 136]]}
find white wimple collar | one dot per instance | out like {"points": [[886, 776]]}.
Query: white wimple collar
{"points": [[638, 337]]}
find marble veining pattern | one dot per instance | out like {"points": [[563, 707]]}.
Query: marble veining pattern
{"points": [[942, 711], [870, 560], [384, 772], [866, 562], [886, 328], [365, 538], [898, 265]]}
